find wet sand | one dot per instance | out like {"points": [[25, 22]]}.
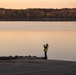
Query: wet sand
{"points": [[33, 66]]}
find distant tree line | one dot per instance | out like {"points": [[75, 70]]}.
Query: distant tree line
{"points": [[38, 14]]}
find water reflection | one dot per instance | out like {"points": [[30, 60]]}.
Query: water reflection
{"points": [[62, 44], [37, 25]]}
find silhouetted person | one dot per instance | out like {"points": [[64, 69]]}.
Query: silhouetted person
{"points": [[45, 50]]}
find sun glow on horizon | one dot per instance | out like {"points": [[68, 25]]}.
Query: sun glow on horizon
{"points": [[23, 4]]}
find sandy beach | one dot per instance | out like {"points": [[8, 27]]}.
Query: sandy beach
{"points": [[33, 66]]}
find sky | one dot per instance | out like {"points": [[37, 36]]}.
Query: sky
{"points": [[23, 4]]}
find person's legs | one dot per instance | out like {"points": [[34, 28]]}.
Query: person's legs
{"points": [[45, 55]]}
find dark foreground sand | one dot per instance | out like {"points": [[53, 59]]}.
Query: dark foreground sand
{"points": [[26, 66]]}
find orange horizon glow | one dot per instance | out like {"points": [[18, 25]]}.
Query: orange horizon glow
{"points": [[23, 4]]}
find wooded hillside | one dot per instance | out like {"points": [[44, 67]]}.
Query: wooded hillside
{"points": [[65, 14]]}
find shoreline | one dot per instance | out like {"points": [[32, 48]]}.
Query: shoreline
{"points": [[36, 66], [38, 19], [29, 58]]}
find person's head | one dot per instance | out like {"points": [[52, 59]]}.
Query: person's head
{"points": [[46, 44]]}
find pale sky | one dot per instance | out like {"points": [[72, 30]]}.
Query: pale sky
{"points": [[23, 4]]}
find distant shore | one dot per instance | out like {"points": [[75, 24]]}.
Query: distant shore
{"points": [[37, 14], [37, 19]]}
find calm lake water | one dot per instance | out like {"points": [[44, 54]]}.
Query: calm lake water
{"points": [[28, 38]]}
